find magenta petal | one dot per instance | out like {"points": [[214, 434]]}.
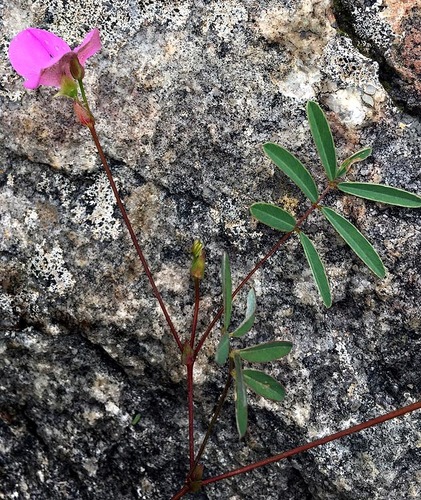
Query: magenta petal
{"points": [[34, 49], [52, 75], [91, 45]]}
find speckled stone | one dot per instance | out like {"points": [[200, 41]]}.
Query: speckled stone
{"points": [[184, 94]]}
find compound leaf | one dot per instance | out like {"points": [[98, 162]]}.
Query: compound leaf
{"points": [[323, 138], [359, 244], [273, 216], [268, 351], [360, 155], [293, 168], [317, 268], [248, 322], [226, 290], [264, 385], [240, 398], [381, 193], [222, 350]]}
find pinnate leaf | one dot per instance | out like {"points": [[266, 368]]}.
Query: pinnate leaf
{"points": [[222, 350], [273, 216], [264, 385], [382, 193], [241, 414], [360, 155], [248, 322], [226, 290], [317, 268], [359, 244], [268, 351], [323, 139], [293, 168]]}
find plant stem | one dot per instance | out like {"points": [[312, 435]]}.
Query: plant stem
{"points": [[275, 247], [196, 311], [190, 399], [215, 416], [142, 258], [181, 493], [318, 442]]}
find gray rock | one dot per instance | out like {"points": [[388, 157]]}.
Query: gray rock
{"points": [[184, 94]]}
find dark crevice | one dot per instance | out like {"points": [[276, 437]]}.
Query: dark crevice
{"points": [[389, 77]]}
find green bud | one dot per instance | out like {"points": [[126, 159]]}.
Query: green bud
{"points": [[197, 269]]}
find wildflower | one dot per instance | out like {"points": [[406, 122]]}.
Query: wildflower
{"points": [[43, 58]]}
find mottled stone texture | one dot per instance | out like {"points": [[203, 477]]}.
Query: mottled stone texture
{"points": [[185, 93]]}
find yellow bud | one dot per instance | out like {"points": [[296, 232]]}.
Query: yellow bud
{"points": [[197, 269]]}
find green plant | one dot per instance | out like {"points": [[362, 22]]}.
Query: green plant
{"points": [[228, 355]]}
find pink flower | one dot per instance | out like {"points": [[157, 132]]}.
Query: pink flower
{"points": [[43, 58]]}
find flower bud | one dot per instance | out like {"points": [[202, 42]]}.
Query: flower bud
{"points": [[76, 69], [197, 269], [83, 115]]}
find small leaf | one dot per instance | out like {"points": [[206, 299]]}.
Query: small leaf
{"points": [[268, 351], [264, 385], [226, 290], [360, 155], [136, 419], [293, 168], [317, 268], [273, 216], [248, 322], [240, 398], [323, 139], [381, 193], [359, 244], [222, 350]]}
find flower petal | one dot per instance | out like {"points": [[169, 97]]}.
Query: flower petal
{"points": [[91, 45], [33, 49], [52, 75]]}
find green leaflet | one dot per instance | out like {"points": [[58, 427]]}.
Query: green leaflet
{"points": [[293, 168], [317, 268], [226, 290], [323, 139], [240, 398], [264, 385], [248, 322], [222, 350], [381, 193], [273, 216], [360, 155], [268, 351], [359, 244]]}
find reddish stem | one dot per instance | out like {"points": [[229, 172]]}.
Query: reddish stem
{"points": [[318, 442], [142, 258], [190, 399], [275, 247], [196, 311]]}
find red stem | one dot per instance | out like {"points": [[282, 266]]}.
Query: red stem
{"points": [[181, 493], [190, 368], [142, 258], [260, 264], [318, 442], [196, 311]]}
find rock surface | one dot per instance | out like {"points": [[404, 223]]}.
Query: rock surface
{"points": [[184, 94]]}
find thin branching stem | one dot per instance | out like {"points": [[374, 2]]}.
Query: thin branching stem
{"points": [[269, 254], [129, 226], [196, 311], [190, 401], [215, 416], [316, 443]]}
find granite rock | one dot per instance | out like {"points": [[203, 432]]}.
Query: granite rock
{"points": [[184, 94]]}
